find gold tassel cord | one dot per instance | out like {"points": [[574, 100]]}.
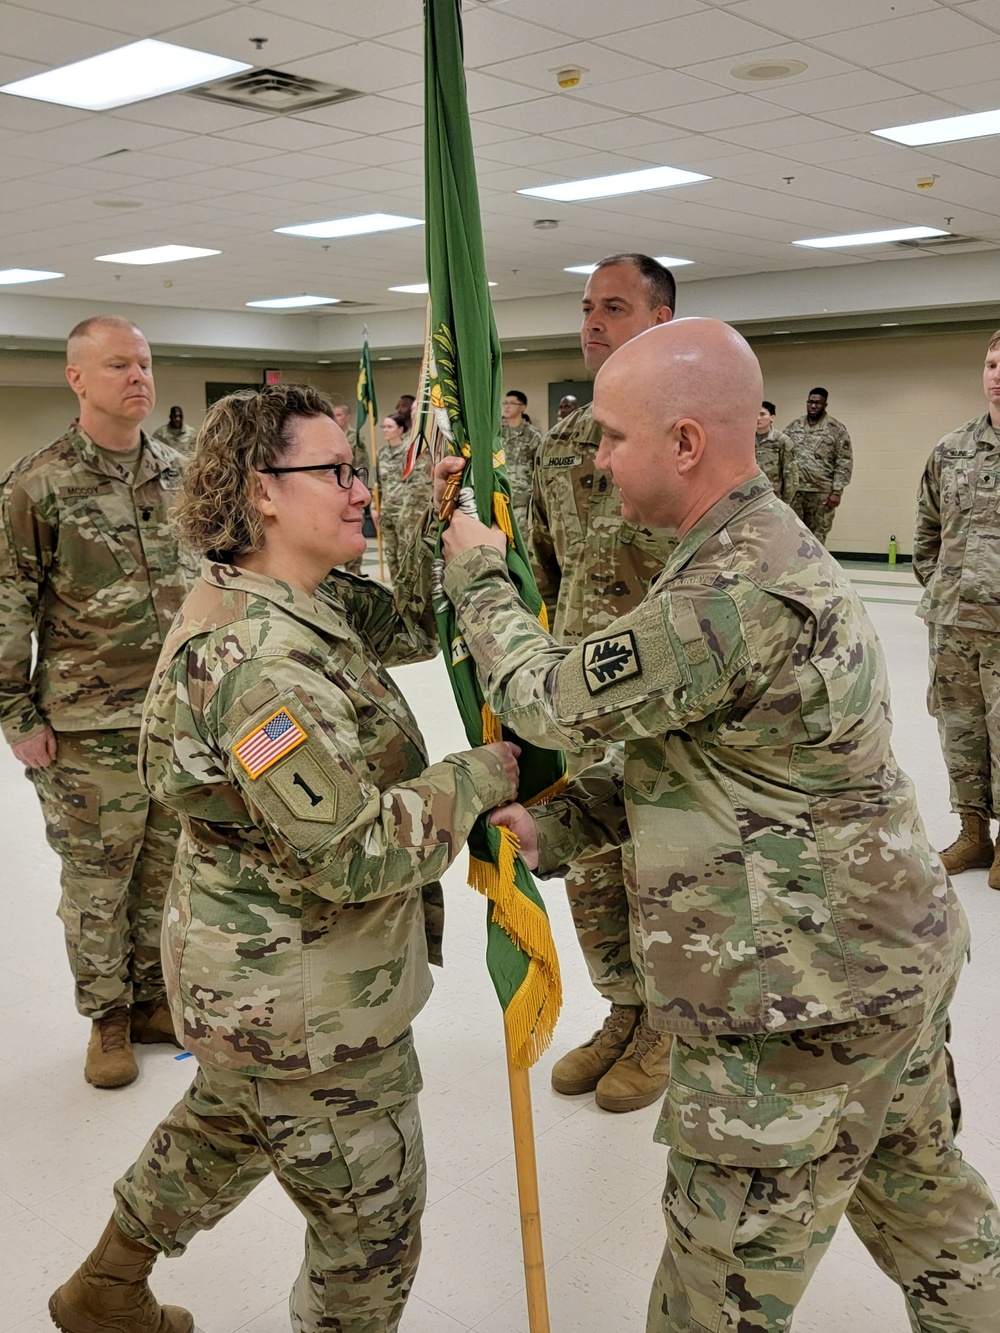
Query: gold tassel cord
{"points": [[492, 730], [530, 1017], [501, 512]]}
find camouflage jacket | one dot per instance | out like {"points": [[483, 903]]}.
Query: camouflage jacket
{"points": [[776, 459], [182, 440], [89, 562], [591, 565], [520, 445], [402, 500], [783, 874], [296, 927], [823, 453], [956, 539]]}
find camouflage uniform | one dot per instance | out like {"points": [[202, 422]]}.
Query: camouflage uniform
{"points": [[955, 559], [299, 923], [520, 444], [182, 440], [824, 460], [592, 566], [800, 936], [89, 562], [402, 501], [776, 459]]}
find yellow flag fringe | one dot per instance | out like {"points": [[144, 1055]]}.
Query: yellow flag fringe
{"points": [[501, 512], [530, 1017]]}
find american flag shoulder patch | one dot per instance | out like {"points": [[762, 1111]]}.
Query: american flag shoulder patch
{"points": [[269, 742]]}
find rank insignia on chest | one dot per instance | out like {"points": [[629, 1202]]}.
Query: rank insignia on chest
{"points": [[266, 744], [610, 661]]}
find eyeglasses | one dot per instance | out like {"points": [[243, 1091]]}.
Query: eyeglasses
{"points": [[344, 472]]}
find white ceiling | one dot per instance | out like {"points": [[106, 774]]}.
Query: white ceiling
{"points": [[789, 159]]}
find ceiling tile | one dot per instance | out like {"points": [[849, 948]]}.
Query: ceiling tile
{"points": [[368, 115], [911, 37], [192, 114], [973, 96], [810, 18], [820, 66], [92, 140], [291, 133], [230, 34], [841, 90], [686, 41], [653, 93], [545, 114], [600, 66], [367, 66], [595, 18], [950, 69], [790, 130], [983, 11], [723, 112], [52, 41], [348, 16], [139, 18], [898, 111]]}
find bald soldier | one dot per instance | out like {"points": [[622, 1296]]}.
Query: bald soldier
{"points": [[89, 564], [801, 939]]}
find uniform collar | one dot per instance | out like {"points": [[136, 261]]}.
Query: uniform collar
{"points": [[154, 458], [750, 495], [985, 432], [293, 601]]}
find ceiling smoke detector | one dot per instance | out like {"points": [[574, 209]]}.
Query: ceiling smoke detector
{"points": [[758, 71], [568, 76], [274, 92]]}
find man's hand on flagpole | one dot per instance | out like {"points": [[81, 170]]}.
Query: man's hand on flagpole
{"points": [[519, 821], [448, 466], [465, 534]]}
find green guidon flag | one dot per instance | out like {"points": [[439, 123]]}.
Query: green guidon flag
{"points": [[464, 370]]}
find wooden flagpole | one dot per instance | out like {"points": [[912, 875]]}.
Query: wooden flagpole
{"points": [[527, 1193]]}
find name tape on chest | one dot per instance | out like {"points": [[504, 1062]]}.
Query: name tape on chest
{"points": [[266, 744], [610, 661]]}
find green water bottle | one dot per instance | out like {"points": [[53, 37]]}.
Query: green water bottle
{"points": [[892, 548]]}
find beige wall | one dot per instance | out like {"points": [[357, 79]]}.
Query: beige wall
{"points": [[896, 395]]}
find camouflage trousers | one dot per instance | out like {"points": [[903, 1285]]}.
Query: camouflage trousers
{"points": [[774, 1138], [359, 1180], [117, 851], [964, 698], [811, 508], [393, 544], [603, 905]]}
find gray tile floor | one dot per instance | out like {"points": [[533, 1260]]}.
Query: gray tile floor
{"points": [[62, 1143]]}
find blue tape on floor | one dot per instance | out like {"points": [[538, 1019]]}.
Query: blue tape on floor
{"points": [[184, 1055]]}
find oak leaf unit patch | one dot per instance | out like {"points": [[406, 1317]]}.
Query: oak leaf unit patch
{"points": [[277, 736], [610, 661]]}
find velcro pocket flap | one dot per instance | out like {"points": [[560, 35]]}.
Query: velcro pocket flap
{"points": [[772, 1132]]}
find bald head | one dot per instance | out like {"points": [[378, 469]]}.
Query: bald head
{"points": [[678, 407], [90, 329]]}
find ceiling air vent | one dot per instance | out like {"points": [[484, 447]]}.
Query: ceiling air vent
{"points": [[273, 92], [952, 244]]}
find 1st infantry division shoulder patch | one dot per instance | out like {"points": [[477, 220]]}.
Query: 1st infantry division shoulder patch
{"points": [[611, 660]]}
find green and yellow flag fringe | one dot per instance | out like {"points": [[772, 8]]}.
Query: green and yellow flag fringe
{"points": [[464, 371]]}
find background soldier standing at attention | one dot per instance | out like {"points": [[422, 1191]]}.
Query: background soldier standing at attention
{"points": [[824, 461], [89, 562], [775, 454], [956, 557], [520, 443], [593, 565], [305, 904], [567, 404], [176, 434], [802, 941]]}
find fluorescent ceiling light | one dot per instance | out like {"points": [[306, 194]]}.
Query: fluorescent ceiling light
{"points": [[977, 126], [359, 226], [293, 302], [157, 254], [627, 182], [11, 275], [420, 288], [129, 74], [873, 237], [666, 260]]}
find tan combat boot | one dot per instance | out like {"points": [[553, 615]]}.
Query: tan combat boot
{"points": [[994, 877], [582, 1069], [109, 1292], [641, 1076], [151, 1022], [110, 1062], [973, 848]]}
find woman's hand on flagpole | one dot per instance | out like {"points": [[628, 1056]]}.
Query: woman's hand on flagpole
{"points": [[448, 465], [507, 752], [519, 821]]}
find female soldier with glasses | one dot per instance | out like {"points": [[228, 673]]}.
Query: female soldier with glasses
{"points": [[304, 903]]}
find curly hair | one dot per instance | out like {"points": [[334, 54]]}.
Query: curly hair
{"points": [[252, 429]]}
